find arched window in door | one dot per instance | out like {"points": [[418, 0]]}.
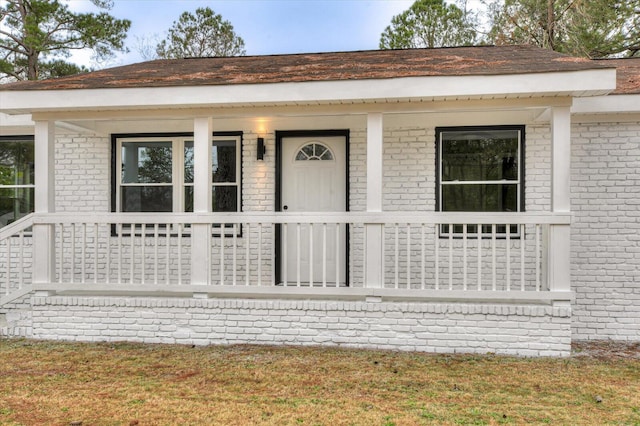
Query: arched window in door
{"points": [[314, 151]]}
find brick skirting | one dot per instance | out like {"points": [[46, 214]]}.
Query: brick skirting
{"points": [[528, 330]]}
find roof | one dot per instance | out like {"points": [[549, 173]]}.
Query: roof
{"points": [[337, 66], [627, 75]]}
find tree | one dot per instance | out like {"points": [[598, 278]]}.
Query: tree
{"points": [[35, 36], [200, 35], [429, 23], [146, 46], [589, 28]]}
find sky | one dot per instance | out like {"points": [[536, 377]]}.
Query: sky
{"points": [[267, 26]]}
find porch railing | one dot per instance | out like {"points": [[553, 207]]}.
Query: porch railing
{"points": [[16, 258], [421, 253]]}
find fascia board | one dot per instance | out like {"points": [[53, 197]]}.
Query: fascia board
{"points": [[577, 83], [607, 104]]}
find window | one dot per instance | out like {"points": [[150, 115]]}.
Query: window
{"points": [[156, 173], [16, 178], [314, 151], [480, 169], [226, 178]]}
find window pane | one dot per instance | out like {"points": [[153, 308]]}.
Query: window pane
{"points": [[15, 203], [224, 161], [487, 230], [16, 163], [188, 162], [188, 199], [225, 199], [146, 162], [479, 198], [480, 155], [147, 199], [326, 155], [308, 150]]}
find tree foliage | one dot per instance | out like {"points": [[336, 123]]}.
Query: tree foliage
{"points": [[36, 36], [204, 34], [429, 23], [589, 28]]}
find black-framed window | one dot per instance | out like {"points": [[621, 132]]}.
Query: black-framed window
{"points": [[480, 169], [154, 172], [17, 178]]}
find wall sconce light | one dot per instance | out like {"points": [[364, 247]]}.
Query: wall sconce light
{"points": [[261, 149]]}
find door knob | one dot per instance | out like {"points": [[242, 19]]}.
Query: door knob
{"points": [[285, 207]]}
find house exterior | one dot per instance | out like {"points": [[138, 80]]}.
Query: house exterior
{"points": [[473, 199]]}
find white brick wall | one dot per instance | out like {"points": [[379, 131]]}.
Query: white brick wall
{"points": [[429, 327], [15, 318], [605, 232], [537, 168], [83, 170], [409, 175]]}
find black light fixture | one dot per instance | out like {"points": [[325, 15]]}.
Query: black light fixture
{"points": [[261, 149]]}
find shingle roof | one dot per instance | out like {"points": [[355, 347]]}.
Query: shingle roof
{"points": [[627, 75], [375, 64]]}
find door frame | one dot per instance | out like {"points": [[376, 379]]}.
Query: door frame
{"points": [[280, 134]]}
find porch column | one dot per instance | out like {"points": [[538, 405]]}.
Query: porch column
{"points": [[559, 248], [44, 255], [202, 179], [374, 261]]}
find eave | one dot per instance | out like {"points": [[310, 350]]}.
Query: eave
{"points": [[582, 83]]}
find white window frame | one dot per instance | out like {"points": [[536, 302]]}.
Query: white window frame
{"points": [[177, 179]]}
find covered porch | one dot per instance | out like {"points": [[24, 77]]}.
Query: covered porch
{"points": [[367, 250]]}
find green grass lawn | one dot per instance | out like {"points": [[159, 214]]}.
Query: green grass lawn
{"points": [[123, 384]]}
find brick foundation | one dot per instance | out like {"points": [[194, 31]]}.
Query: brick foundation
{"points": [[529, 330]]}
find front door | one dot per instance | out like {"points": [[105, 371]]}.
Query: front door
{"points": [[313, 179]]}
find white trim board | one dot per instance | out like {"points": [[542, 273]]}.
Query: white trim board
{"points": [[578, 83]]}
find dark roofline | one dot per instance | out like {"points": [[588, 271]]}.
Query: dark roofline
{"points": [[323, 66]]}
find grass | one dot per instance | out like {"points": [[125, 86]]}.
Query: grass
{"points": [[129, 384]]}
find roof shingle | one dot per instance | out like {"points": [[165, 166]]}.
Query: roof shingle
{"points": [[375, 64], [627, 75]]}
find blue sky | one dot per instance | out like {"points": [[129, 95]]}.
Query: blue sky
{"points": [[267, 26]]}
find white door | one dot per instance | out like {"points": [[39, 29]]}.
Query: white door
{"points": [[313, 180]]}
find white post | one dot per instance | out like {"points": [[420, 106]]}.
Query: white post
{"points": [[559, 244], [202, 179], [44, 255], [374, 262]]}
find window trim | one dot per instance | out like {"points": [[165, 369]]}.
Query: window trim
{"points": [[178, 184], [521, 181], [20, 138]]}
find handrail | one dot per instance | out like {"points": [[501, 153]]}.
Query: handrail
{"points": [[311, 217], [8, 292], [17, 226]]}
